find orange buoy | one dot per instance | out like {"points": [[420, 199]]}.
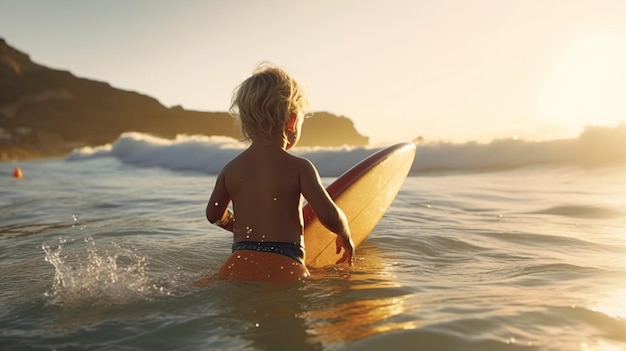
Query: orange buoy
{"points": [[17, 173]]}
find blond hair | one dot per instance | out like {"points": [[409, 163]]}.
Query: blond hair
{"points": [[263, 102]]}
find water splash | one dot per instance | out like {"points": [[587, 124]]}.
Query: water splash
{"points": [[112, 276]]}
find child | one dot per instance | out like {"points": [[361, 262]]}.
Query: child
{"points": [[265, 184]]}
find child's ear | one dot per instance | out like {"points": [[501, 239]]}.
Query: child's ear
{"points": [[291, 122]]}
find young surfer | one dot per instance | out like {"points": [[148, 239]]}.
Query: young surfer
{"points": [[265, 183]]}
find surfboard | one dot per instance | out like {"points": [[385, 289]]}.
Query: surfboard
{"points": [[364, 193]]}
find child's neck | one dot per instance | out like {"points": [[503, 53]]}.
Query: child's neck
{"points": [[267, 145]]}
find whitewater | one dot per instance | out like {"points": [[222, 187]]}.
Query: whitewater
{"points": [[508, 245]]}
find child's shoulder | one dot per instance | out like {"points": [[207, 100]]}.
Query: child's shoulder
{"points": [[304, 166], [232, 164], [304, 162]]}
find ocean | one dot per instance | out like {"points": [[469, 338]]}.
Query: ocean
{"points": [[508, 245]]}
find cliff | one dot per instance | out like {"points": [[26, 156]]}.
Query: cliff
{"points": [[48, 112]]}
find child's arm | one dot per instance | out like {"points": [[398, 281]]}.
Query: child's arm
{"points": [[217, 211], [329, 214]]}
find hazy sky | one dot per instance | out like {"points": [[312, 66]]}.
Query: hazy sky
{"points": [[452, 70]]}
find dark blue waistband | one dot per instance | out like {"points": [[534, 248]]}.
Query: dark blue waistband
{"points": [[290, 250]]}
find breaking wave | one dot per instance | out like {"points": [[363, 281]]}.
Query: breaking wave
{"points": [[596, 146]]}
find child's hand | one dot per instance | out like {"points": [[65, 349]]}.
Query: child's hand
{"points": [[348, 246]]}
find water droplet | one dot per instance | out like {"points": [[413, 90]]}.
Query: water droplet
{"points": [[256, 325], [274, 199], [75, 216], [216, 204], [238, 256]]}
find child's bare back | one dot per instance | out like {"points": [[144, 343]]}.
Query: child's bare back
{"points": [[264, 185]]}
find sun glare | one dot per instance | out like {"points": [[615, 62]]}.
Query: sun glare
{"points": [[585, 84]]}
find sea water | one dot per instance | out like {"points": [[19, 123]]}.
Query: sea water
{"points": [[503, 246]]}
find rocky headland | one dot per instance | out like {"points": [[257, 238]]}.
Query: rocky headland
{"points": [[46, 112]]}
